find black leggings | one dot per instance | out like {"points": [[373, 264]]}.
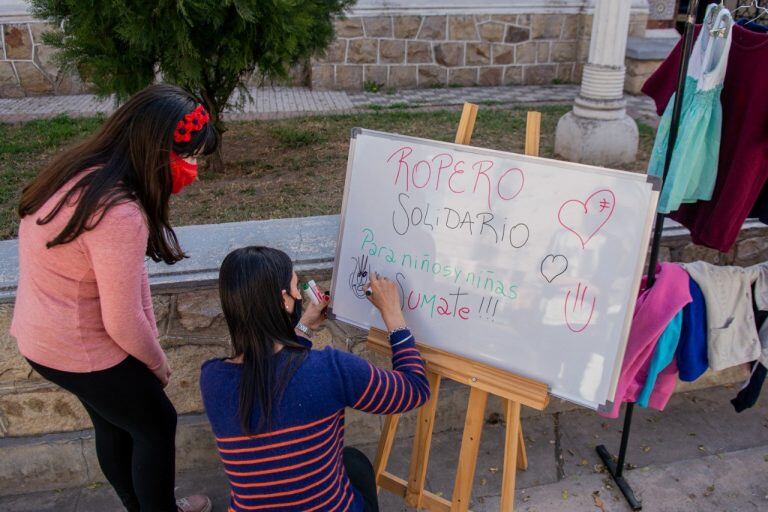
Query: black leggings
{"points": [[135, 427], [361, 476]]}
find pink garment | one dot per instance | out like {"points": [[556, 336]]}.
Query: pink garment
{"points": [[85, 306], [654, 310]]}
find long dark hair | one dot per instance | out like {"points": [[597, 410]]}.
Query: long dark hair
{"points": [[251, 281], [130, 158]]}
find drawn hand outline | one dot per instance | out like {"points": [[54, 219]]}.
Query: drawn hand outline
{"points": [[577, 318], [358, 279]]}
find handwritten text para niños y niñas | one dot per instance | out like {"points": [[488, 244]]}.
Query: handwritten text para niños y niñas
{"points": [[481, 280]]}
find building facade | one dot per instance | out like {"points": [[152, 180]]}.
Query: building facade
{"points": [[381, 44]]}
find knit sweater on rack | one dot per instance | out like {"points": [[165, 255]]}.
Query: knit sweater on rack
{"points": [[297, 464]]}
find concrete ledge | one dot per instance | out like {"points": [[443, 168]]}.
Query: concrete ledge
{"points": [[310, 241], [650, 48], [58, 461], [644, 56]]}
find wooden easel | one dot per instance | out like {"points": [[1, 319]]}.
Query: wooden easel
{"points": [[482, 381]]}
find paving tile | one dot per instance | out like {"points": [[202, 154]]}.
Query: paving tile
{"points": [[732, 483], [444, 454], [280, 102], [694, 425], [701, 457], [97, 497], [58, 501]]}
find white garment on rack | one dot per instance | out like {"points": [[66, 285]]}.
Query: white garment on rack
{"points": [[696, 60], [692, 171], [761, 301], [732, 336]]}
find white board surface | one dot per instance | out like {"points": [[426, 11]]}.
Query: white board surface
{"points": [[527, 264]]}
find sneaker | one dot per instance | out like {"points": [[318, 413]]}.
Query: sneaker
{"points": [[196, 503]]}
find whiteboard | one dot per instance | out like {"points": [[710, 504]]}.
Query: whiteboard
{"points": [[527, 264]]}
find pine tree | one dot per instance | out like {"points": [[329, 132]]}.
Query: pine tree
{"points": [[210, 47]]}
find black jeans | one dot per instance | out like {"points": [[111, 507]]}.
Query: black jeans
{"points": [[135, 427], [362, 477]]}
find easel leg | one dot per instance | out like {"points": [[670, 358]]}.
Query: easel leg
{"points": [[385, 445], [512, 450], [466, 124], [422, 441], [532, 133], [470, 445], [522, 455]]}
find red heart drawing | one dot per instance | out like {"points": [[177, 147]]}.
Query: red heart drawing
{"points": [[585, 219]]}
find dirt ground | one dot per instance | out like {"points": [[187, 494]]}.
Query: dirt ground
{"points": [[278, 168]]}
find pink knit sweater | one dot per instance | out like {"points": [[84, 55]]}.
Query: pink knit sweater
{"points": [[85, 306], [655, 308]]}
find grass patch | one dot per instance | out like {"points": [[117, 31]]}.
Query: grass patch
{"points": [[24, 147], [399, 105], [40, 135], [278, 168], [372, 86], [293, 137]]}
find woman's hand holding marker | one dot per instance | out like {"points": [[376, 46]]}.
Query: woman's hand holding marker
{"points": [[385, 296], [317, 310]]}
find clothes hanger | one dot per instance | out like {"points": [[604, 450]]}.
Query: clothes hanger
{"points": [[760, 12], [750, 5], [712, 13], [720, 25]]}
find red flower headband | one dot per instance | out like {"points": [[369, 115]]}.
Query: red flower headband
{"points": [[192, 122]]}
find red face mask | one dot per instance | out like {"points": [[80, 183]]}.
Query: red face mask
{"points": [[183, 173]]}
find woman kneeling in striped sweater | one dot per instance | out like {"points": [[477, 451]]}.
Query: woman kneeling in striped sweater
{"points": [[277, 408]]}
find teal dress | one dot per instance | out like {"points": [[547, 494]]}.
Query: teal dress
{"points": [[693, 167]]}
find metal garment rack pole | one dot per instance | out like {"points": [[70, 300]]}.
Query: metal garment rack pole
{"points": [[616, 469]]}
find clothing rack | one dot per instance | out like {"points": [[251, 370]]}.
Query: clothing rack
{"points": [[616, 469]]}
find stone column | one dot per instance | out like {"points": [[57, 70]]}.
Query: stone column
{"points": [[598, 129]]}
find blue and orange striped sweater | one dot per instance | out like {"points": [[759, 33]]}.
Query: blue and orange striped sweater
{"points": [[297, 465]]}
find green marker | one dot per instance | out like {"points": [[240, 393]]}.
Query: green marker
{"points": [[309, 292]]}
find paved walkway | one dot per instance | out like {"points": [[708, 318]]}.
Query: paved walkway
{"points": [[696, 456], [277, 102]]}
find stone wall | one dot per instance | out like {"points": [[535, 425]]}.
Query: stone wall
{"points": [[409, 51], [386, 51], [28, 66], [191, 331], [638, 71]]}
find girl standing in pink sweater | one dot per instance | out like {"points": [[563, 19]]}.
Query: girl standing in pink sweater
{"points": [[83, 316]]}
